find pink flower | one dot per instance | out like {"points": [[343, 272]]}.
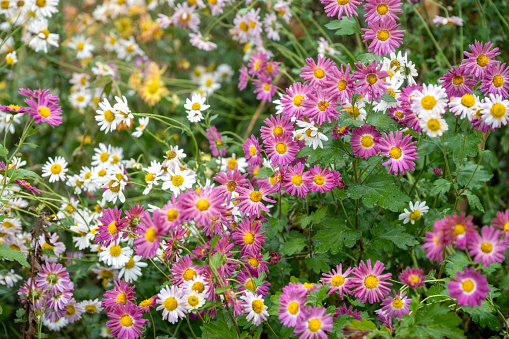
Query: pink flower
{"points": [[340, 131], [44, 109], [397, 305], [338, 7], [457, 82], [248, 235], [111, 226], [121, 293], [457, 228], [400, 151], [385, 37], [169, 215], [323, 180], [340, 84], [228, 264], [214, 138], [253, 151], [320, 107], [281, 150], [257, 63], [248, 284], [243, 78], [250, 200], [280, 126], [364, 141], [502, 221], [496, 80], [470, 287], [296, 181], [53, 277], [433, 244], [338, 280], [255, 263], [413, 277], [488, 246], [264, 88], [272, 68], [229, 182], [183, 270], [203, 207], [480, 59], [185, 17], [398, 114], [291, 307], [370, 80], [368, 283], [149, 231], [382, 10], [292, 101], [350, 311], [126, 321], [315, 324], [316, 73]]}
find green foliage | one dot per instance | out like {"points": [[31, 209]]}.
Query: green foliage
{"points": [[314, 217], [379, 190], [441, 186], [344, 27], [334, 235], [385, 237], [483, 315], [10, 254], [473, 175]]}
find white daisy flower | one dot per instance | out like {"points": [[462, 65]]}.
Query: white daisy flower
{"points": [[128, 49], [254, 306], [171, 302], [55, 169], [117, 155], [356, 112], [432, 99], [132, 269], [132, 163], [174, 154], [224, 72], [462, 107], [123, 110], [115, 256], [92, 306], [86, 175], [74, 181], [415, 213], [11, 58], [105, 331], [323, 46], [101, 158], [193, 300], [17, 163], [310, 134], [393, 90], [197, 73], [107, 116], [395, 64], [80, 99], [79, 81], [141, 128], [41, 35], [433, 124], [411, 72], [179, 180], [83, 45], [43, 8], [209, 83], [195, 107], [494, 111], [10, 278], [112, 43], [115, 183], [240, 162], [198, 284], [56, 325], [8, 122], [102, 70], [154, 173]]}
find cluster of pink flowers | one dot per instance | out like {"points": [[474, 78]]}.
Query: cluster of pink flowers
{"points": [[263, 71]]}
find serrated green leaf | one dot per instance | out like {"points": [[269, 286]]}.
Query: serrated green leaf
{"points": [[331, 152], [334, 235], [218, 329], [345, 27], [456, 262], [315, 217], [483, 315], [388, 98], [379, 190], [473, 175], [383, 121], [473, 201], [292, 246], [364, 324], [319, 263], [3, 151], [440, 186], [264, 172], [395, 234], [10, 254]]}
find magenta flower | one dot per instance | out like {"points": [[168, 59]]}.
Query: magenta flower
{"points": [[458, 82], [434, 245], [338, 280], [111, 226], [44, 109], [169, 215], [489, 246], [320, 107], [292, 100], [214, 138], [248, 284], [250, 200], [126, 321], [228, 265], [274, 257], [248, 235], [264, 88], [398, 114], [315, 73], [253, 151], [385, 37], [202, 207], [174, 240], [243, 78], [279, 126], [229, 182], [257, 63], [502, 221], [281, 150], [470, 287], [368, 283], [480, 59], [255, 263], [340, 84], [291, 307], [400, 151], [382, 10], [340, 7], [26, 184], [296, 181], [150, 231], [496, 80], [340, 131], [53, 277], [272, 68], [397, 305], [364, 141], [14, 109], [183, 270], [315, 324], [134, 215], [350, 311], [370, 80], [121, 293], [323, 180], [413, 277], [457, 228]]}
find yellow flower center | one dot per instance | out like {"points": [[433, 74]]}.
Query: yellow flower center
{"points": [[185, 17], [433, 125], [104, 156], [80, 46], [249, 238], [250, 285], [7, 224], [149, 177], [337, 280], [413, 279], [44, 111], [297, 179], [468, 100], [255, 196], [232, 163], [297, 100], [293, 308], [395, 63], [506, 226], [47, 246], [105, 274], [46, 33], [395, 153], [9, 61], [90, 308], [482, 60], [202, 204], [371, 281], [40, 3], [459, 229], [367, 141], [112, 228], [397, 303], [371, 78], [126, 320], [150, 235], [343, 2], [114, 189], [468, 285], [56, 169], [319, 73], [177, 180], [278, 131], [457, 80], [198, 287], [129, 264], [244, 27], [258, 306], [5, 4], [498, 81], [266, 87], [281, 148], [319, 179], [121, 298], [254, 262], [382, 9], [382, 35], [196, 106], [145, 303], [172, 214], [498, 111], [353, 112], [486, 247], [428, 102], [322, 105], [153, 87], [70, 310], [189, 274], [170, 304], [115, 250], [252, 24], [314, 325], [193, 301], [415, 215]]}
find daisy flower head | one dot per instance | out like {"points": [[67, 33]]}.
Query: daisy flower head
{"points": [[338, 280], [243, 78], [279, 126], [74, 311], [463, 106], [433, 245], [143, 123], [488, 247], [253, 151], [296, 180], [320, 106], [341, 84], [382, 10], [132, 269], [340, 7], [370, 80], [115, 256], [432, 99], [368, 283], [53, 277], [310, 134], [82, 45], [433, 124], [501, 221], [480, 58], [458, 82], [229, 182], [281, 150], [114, 182], [400, 151], [43, 108], [150, 230], [203, 207], [198, 284], [364, 141], [185, 17], [179, 180], [107, 117], [11, 58], [111, 226], [41, 35], [398, 114], [495, 111], [384, 36], [55, 169], [323, 180], [126, 321], [397, 305], [121, 293], [412, 277], [255, 308], [340, 131], [469, 287], [315, 323], [315, 73], [325, 48], [124, 112], [496, 80], [248, 235], [201, 42], [292, 100], [415, 213], [264, 88], [193, 300], [291, 307], [350, 311], [154, 173], [196, 105], [44, 8], [250, 200]]}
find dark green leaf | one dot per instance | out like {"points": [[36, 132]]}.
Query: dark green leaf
{"points": [[395, 234], [473, 175], [292, 246], [484, 315], [334, 235], [440, 186], [314, 218], [10, 254], [379, 190], [456, 262], [318, 263], [389, 98], [344, 27]]}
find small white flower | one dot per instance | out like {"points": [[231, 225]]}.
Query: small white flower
{"points": [[179, 180], [11, 58], [433, 124], [44, 8], [463, 107], [132, 269], [239, 162], [198, 284], [432, 99], [415, 213], [83, 45], [92, 306], [79, 81], [101, 157], [107, 116], [10, 278], [81, 98], [256, 309], [124, 113], [171, 302], [193, 300], [55, 169], [195, 107], [494, 111], [41, 36], [154, 173], [356, 112], [325, 48], [143, 123], [115, 256], [310, 134], [56, 325], [209, 83]]}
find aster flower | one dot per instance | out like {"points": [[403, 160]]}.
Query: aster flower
{"points": [[279, 126], [183, 270], [198, 284], [364, 141], [203, 207], [315, 324], [458, 82], [384, 35], [434, 245], [255, 308], [257, 63], [171, 301], [315, 73], [255, 263], [310, 134], [115, 255], [350, 311], [433, 124], [292, 100], [496, 80], [291, 307], [338, 280], [464, 106], [382, 10], [250, 200], [340, 7], [397, 305], [457, 228], [53, 277], [481, 58], [150, 231], [121, 293], [201, 42], [111, 226], [296, 181], [43, 108], [248, 235], [469, 288], [323, 180], [412, 277], [243, 78], [126, 321], [400, 151], [248, 283], [370, 80], [495, 111], [432, 99], [74, 311], [340, 131], [214, 138], [132, 269], [488, 246], [252, 150], [264, 88], [320, 106], [229, 182], [501, 221], [340, 84], [281, 150], [368, 283]]}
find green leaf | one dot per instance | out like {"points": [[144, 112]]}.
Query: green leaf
{"points": [[456, 262], [334, 235], [383, 121], [331, 152], [319, 263], [462, 146], [440, 186], [10, 254], [292, 246], [389, 98], [476, 175], [344, 27], [314, 218], [364, 324], [341, 321], [473, 201], [3, 151], [379, 190], [22, 174], [395, 234], [218, 329], [483, 315], [264, 172]]}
